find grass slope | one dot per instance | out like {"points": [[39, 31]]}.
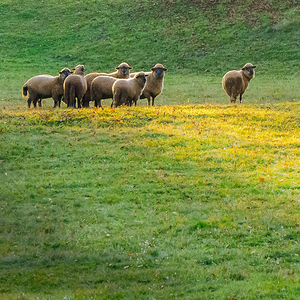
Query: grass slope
{"points": [[199, 38], [171, 202]]}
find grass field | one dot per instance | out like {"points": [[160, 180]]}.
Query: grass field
{"points": [[190, 199], [170, 202]]}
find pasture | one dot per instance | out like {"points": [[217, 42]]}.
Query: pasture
{"points": [[190, 199], [169, 202]]}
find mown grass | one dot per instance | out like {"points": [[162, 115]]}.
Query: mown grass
{"points": [[170, 202]]}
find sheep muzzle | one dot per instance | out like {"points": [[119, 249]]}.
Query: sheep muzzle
{"points": [[123, 70], [159, 72]]}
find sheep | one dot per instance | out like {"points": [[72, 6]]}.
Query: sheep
{"points": [[75, 87], [155, 81], [236, 82], [101, 88], [45, 86], [126, 91], [123, 71]]}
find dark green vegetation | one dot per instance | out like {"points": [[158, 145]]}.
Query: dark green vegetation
{"points": [[202, 39], [172, 202]]}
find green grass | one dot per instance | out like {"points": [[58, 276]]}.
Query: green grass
{"points": [[192, 199], [197, 89], [191, 38], [182, 202]]}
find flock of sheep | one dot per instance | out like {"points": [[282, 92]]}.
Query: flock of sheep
{"points": [[123, 87]]}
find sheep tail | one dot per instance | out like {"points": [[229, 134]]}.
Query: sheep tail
{"points": [[24, 90]]}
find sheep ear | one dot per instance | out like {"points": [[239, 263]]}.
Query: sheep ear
{"points": [[130, 68], [254, 67], [59, 72], [165, 69], [117, 68]]}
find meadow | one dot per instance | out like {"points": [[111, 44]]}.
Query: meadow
{"points": [[167, 202], [190, 199]]}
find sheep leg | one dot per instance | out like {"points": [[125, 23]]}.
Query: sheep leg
{"points": [[97, 101], [85, 99], [148, 101], [40, 102], [118, 100], [55, 102], [59, 101], [153, 101], [232, 98], [72, 99], [34, 103], [28, 102], [125, 101], [135, 101], [99, 104], [115, 101], [241, 97], [78, 103]]}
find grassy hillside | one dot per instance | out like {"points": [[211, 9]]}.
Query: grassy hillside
{"points": [[202, 38], [168, 202]]}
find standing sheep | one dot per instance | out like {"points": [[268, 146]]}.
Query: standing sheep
{"points": [[155, 81], [126, 91], [236, 82], [75, 87], [101, 88], [45, 86], [122, 71]]}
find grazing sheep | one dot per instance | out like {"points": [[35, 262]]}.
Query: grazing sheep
{"points": [[126, 91], [45, 86], [101, 88], [236, 82], [155, 81], [75, 87], [123, 71]]}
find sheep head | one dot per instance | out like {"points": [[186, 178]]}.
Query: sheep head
{"points": [[79, 70], [159, 70], [64, 73], [248, 70], [123, 69], [140, 77]]}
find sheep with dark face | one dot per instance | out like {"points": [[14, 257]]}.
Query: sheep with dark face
{"points": [[155, 82], [45, 86], [122, 72], [236, 82], [126, 91], [75, 87], [101, 88]]}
